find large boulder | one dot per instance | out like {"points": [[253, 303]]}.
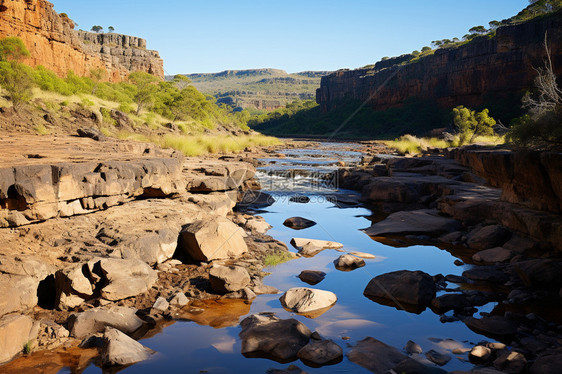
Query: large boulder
{"points": [[298, 223], [120, 349], [311, 247], [271, 337], [306, 300], [493, 255], [15, 332], [226, 279], [95, 321], [425, 221], [403, 289], [211, 239], [321, 352], [488, 237], [126, 278]]}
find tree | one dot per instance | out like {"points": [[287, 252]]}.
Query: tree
{"points": [[471, 124], [97, 29], [478, 30], [97, 76], [543, 121], [494, 24], [147, 86], [12, 49], [426, 49], [416, 53], [111, 29], [17, 80]]}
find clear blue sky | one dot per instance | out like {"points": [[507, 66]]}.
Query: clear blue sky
{"points": [[208, 36]]}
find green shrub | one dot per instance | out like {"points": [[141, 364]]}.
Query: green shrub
{"points": [[17, 80], [471, 124]]}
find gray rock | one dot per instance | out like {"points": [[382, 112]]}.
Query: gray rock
{"points": [[306, 300], [95, 320], [480, 354], [22, 291], [211, 239], [161, 305], [92, 133], [298, 223], [126, 278], [226, 279], [179, 300], [414, 288], [437, 358], [413, 348], [488, 237], [312, 277], [348, 262], [450, 301], [269, 336], [486, 274], [321, 352], [510, 362], [119, 349], [262, 289]]}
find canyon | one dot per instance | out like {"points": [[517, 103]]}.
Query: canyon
{"points": [[55, 44]]}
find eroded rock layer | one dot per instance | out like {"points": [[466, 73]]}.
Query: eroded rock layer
{"points": [[54, 44]]}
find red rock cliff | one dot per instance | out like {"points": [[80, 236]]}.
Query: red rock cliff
{"points": [[53, 43], [483, 72]]}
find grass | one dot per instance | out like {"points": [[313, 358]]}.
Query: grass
{"points": [[27, 347], [277, 258], [41, 129], [196, 145], [409, 144]]}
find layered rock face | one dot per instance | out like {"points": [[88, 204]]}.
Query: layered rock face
{"points": [[53, 43], [485, 71]]}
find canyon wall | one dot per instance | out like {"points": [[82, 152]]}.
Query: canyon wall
{"points": [[53, 43], [486, 71]]}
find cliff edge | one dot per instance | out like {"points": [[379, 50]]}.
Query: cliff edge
{"points": [[53, 43], [489, 71]]}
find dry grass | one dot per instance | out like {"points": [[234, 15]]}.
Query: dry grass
{"points": [[203, 144], [409, 144]]}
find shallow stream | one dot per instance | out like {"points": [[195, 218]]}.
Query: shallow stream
{"points": [[194, 346]]}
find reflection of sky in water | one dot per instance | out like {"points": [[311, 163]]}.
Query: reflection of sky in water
{"points": [[188, 347]]}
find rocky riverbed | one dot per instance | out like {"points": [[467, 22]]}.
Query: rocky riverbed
{"points": [[98, 254]]}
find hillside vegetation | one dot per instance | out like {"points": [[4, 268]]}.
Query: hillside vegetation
{"points": [[170, 113], [257, 89]]}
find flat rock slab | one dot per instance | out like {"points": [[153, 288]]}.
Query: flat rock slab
{"points": [[298, 223], [311, 247], [366, 256], [271, 337], [306, 300], [126, 278], [312, 277], [493, 255], [96, 320], [493, 326], [375, 356], [425, 221]]}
